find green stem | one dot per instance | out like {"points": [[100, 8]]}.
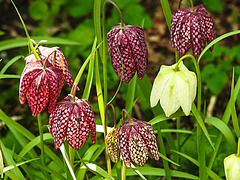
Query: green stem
{"points": [[104, 59], [105, 135], [123, 172], [162, 149], [28, 37], [178, 138], [192, 5], [41, 143], [71, 156], [238, 149]]}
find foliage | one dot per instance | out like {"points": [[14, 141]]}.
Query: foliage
{"points": [[191, 147]]}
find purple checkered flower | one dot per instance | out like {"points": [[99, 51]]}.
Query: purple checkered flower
{"points": [[55, 56], [127, 46], [73, 118], [191, 28], [135, 139], [40, 83]]}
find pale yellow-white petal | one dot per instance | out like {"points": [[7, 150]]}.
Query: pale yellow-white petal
{"points": [[183, 90], [168, 99], [158, 85]]}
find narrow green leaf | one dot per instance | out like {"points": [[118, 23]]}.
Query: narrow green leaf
{"points": [[233, 110], [8, 168], [162, 117], [151, 171], [224, 129], [66, 158], [9, 161], [23, 42], [33, 143], [212, 174], [217, 40], [10, 123], [200, 122], [167, 12], [88, 85], [9, 76], [131, 94], [9, 63], [87, 157], [225, 119], [98, 170], [1, 164]]}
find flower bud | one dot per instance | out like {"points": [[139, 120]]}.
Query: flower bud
{"points": [[127, 46], [112, 144], [232, 167], [174, 88]]}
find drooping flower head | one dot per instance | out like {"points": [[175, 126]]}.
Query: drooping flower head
{"points": [[127, 46], [135, 139], [55, 56], [42, 80], [174, 88], [191, 28], [73, 120], [40, 83]]}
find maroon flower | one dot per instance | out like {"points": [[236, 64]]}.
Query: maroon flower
{"points": [[55, 56], [191, 28], [74, 119], [135, 140], [128, 43], [40, 83]]}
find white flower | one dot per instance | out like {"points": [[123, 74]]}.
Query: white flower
{"points": [[174, 88], [232, 167]]}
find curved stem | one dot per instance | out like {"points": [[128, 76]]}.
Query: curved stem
{"points": [[192, 5], [104, 60], [120, 13], [199, 86], [114, 117], [125, 111]]}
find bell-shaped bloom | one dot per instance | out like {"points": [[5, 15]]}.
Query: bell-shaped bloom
{"points": [[73, 118], [41, 83], [232, 167], [112, 144], [174, 88], [55, 56], [127, 47], [191, 28], [135, 139]]}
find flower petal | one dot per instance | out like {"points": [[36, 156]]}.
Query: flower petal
{"points": [[78, 129], [169, 97], [147, 133], [58, 121], [138, 148], [38, 94], [25, 82], [123, 144]]}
